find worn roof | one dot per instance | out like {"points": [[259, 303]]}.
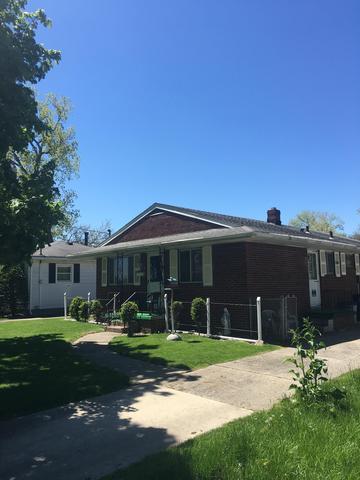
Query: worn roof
{"points": [[61, 248], [230, 222]]}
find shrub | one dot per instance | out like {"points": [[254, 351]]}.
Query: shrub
{"points": [[84, 311], [13, 289], [177, 308], [74, 308], [198, 312], [96, 309], [310, 373], [128, 313]]}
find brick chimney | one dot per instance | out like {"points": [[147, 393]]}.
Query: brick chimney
{"points": [[273, 216]]}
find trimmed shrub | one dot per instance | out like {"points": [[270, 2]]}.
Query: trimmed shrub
{"points": [[177, 308], [128, 313], [198, 312], [96, 309], [74, 308], [84, 311]]}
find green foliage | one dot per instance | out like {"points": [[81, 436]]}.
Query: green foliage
{"points": [[96, 309], [318, 221], [310, 373], [198, 311], [84, 311], [128, 313], [13, 289], [74, 310], [29, 198], [23, 61], [177, 308]]}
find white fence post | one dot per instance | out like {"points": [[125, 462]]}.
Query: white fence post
{"points": [[166, 312], [258, 314], [89, 295], [65, 305], [208, 317], [172, 312], [114, 304]]}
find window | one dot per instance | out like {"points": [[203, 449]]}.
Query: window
{"points": [[330, 263], [63, 273], [190, 263], [155, 268], [120, 270], [313, 272]]}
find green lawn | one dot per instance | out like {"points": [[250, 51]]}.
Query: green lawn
{"points": [[288, 442], [39, 370], [194, 351]]}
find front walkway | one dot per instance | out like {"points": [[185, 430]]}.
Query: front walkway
{"points": [[162, 407]]}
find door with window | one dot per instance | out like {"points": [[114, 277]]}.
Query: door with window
{"points": [[314, 279], [154, 273]]}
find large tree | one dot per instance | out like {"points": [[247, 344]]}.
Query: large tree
{"points": [[318, 221], [29, 201]]}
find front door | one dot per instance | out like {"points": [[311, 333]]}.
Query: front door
{"points": [[154, 273], [314, 279]]}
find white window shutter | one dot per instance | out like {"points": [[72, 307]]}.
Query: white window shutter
{"points": [[343, 263], [323, 269], [337, 264], [137, 269], [104, 271], [173, 254], [207, 266], [357, 264]]}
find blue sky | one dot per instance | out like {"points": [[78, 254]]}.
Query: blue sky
{"points": [[233, 106]]}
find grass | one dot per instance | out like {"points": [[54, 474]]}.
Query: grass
{"points": [[192, 352], [291, 441], [39, 370]]}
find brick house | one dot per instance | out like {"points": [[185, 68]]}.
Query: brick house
{"points": [[230, 259]]}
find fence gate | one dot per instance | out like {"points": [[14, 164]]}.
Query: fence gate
{"points": [[279, 316]]}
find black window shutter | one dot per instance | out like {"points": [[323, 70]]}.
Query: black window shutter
{"points": [[52, 270], [76, 272]]}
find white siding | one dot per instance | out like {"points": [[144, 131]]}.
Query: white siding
{"points": [[45, 295]]}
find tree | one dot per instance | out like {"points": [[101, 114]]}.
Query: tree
{"points": [[96, 234], [13, 289], [23, 62], [29, 202], [56, 143], [318, 221]]}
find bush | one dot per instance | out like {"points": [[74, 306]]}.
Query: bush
{"points": [[310, 372], [177, 308], [13, 290], [198, 312], [74, 308], [96, 309], [128, 313], [84, 311]]}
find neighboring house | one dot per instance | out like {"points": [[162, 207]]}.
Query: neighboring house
{"points": [[52, 273], [230, 259]]}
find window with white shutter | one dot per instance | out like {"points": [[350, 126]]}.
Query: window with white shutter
{"points": [[357, 264], [343, 263], [207, 266], [173, 254], [104, 271], [337, 264], [323, 269]]}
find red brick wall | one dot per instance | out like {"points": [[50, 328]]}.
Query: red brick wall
{"points": [[337, 292], [274, 270], [161, 225]]}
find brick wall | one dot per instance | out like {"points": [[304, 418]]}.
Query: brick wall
{"points": [[165, 223], [337, 292], [274, 270]]}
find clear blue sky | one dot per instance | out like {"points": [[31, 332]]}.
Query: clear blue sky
{"points": [[231, 106]]}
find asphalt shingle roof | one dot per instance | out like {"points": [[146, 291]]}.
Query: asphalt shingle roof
{"points": [[61, 248]]}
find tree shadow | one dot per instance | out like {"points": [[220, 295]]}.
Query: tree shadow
{"points": [[89, 438]]}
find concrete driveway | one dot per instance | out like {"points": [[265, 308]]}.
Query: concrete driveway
{"points": [[163, 407]]}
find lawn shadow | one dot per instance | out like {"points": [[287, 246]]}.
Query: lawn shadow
{"points": [[93, 437]]}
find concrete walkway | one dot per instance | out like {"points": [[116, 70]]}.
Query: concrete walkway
{"points": [[162, 407]]}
